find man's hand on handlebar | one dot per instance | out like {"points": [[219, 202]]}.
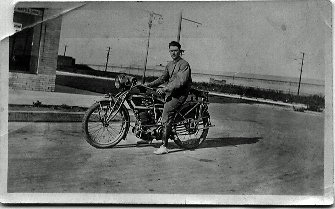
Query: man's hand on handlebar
{"points": [[161, 91]]}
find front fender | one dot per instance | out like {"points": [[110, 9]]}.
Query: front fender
{"points": [[111, 103]]}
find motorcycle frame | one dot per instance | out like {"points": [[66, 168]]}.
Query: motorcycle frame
{"points": [[123, 96]]}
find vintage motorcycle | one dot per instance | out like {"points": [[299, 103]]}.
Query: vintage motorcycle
{"points": [[107, 122]]}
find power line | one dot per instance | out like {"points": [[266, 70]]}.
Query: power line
{"points": [[181, 18], [151, 17]]}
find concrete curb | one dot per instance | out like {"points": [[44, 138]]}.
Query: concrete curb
{"points": [[264, 101], [48, 116]]}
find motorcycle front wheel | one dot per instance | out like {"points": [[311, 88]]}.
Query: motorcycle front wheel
{"points": [[190, 130], [100, 129]]}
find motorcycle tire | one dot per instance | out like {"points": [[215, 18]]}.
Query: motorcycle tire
{"points": [[183, 135], [94, 127]]}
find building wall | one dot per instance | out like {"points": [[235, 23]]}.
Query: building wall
{"points": [[43, 78], [65, 61], [33, 82]]}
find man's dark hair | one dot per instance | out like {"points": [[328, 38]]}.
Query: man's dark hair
{"points": [[174, 43]]}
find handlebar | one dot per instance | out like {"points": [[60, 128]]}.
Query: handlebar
{"points": [[144, 86], [150, 90]]}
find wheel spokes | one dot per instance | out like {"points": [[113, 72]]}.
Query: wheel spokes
{"points": [[184, 132], [101, 131]]}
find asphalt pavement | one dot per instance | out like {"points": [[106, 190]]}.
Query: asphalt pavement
{"points": [[252, 150]]}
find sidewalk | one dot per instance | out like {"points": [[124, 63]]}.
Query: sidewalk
{"points": [[23, 97]]}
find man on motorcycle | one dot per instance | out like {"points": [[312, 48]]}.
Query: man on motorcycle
{"points": [[177, 76]]}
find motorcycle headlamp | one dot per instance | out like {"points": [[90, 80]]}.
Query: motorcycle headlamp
{"points": [[124, 81]]}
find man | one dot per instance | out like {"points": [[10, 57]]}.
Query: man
{"points": [[177, 76]]}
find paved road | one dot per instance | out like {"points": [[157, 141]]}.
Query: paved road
{"points": [[253, 149]]}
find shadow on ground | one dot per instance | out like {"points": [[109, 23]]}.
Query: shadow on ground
{"points": [[209, 143], [228, 141]]}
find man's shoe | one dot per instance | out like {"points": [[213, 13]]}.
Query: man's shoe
{"points": [[144, 141], [162, 150]]}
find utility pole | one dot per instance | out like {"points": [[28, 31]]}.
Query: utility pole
{"points": [[152, 14], [179, 25], [109, 48], [65, 50], [302, 63]]}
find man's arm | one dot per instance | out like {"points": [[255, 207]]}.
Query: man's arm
{"points": [[162, 79], [181, 78]]}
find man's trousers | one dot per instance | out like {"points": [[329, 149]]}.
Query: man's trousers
{"points": [[171, 106]]}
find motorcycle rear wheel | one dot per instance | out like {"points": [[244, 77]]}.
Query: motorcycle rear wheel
{"points": [[102, 134], [189, 133]]}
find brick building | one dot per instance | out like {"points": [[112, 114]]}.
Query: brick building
{"points": [[33, 49]]}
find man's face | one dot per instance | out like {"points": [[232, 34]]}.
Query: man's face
{"points": [[174, 52]]}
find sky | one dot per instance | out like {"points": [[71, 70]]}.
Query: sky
{"points": [[260, 37]]}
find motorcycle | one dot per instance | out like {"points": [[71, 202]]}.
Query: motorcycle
{"points": [[107, 121]]}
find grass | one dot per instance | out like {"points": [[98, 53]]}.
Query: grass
{"points": [[313, 102]]}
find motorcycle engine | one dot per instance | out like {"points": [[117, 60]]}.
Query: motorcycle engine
{"points": [[146, 117], [145, 126]]}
